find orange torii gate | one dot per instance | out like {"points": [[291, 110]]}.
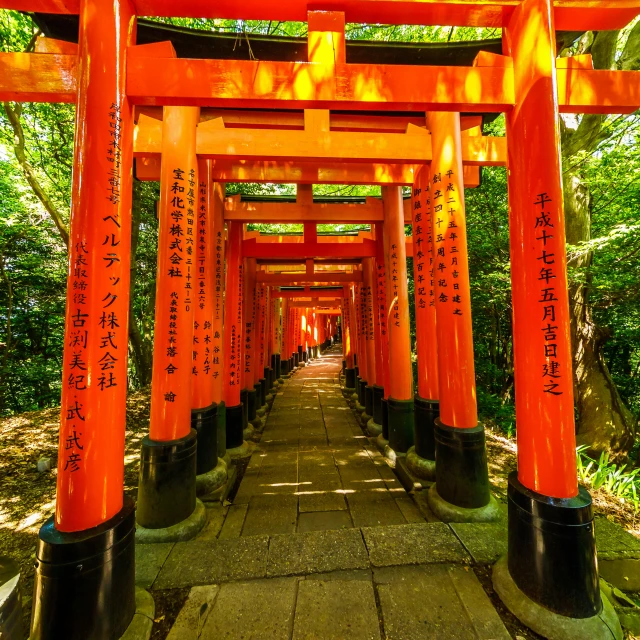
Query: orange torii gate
{"points": [[551, 555]]}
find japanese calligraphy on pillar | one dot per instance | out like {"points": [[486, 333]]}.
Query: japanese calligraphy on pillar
{"points": [[218, 285], [201, 390], [552, 369], [447, 211], [423, 267]]}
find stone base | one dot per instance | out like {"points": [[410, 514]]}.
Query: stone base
{"points": [[302, 364], [373, 428], [359, 408], [185, 530], [280, 380], [391, 455], [448, 512], [211, 481], [382, 443], [421, 467], [364, 419], [247, 433], [348, 392], [243, 451], [354, 397], [10, 600], [262, 411], [258, 424], [142, 623], [227, 460], [604, 626]]}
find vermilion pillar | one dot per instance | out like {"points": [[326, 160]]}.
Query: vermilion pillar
{"points": [[176, 277], [383, 360], [353, 329], [347, 343], [461, 471], [167, 481], [400, 401], [233, 338], [551, 553], [94, 371], [250, 372], [204, 411], [368, 274], [421, 459], [363, 365], [285, 352], [217, 329]]}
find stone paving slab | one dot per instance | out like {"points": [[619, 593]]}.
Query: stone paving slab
{"points": [[253, 610], [233, 523], [436, 602], [271, 514], [336, 610], [413, 544], [324, 521], [198, 563], [149, 561], [486, 542], [194, 613], [374, 508], [316, 552]]}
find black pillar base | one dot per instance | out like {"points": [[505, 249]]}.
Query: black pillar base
{"points": [[252, 402], [234, 426], [400, 424], [301, 354], [167, 481], [385, 418], [378, 393], [462, 478], [284, 367], [244, 399], [296, 359], [85, 581], [350, 378], [278, 368], [274, 364], [272, 378], [368, 400], [344, 366], [305, 355], [268, 376], [263, 391], [552, 550], [426, 412], [315, 351], [257, 387], [205, 423], [361, 390], [221, 418]]}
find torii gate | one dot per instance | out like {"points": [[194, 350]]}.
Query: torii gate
{"points": [[551, 554]]}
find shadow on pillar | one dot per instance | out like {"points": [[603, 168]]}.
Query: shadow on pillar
{"points": [[349, 379], [421, 458], [461, 492], [374, 425], [549, 578], [85, 580]]}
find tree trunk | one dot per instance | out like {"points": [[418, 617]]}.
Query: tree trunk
{"points": [[604, 423]]}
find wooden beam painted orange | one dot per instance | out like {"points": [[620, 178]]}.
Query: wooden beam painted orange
{"points": [[569, 14], [333, 146], [50, 77]]}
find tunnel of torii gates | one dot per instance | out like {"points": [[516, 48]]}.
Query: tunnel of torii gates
{"points": [[236, 310]]}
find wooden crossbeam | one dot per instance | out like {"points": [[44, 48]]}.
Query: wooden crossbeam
{"points": [[331, 146], [569, 14], [46, 77], [301, 172], [308, 250], [325, 277]]}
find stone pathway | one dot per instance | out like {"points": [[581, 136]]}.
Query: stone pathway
{"points": [[322, 541]]}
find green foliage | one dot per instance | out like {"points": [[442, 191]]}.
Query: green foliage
{"points": [[609, 477]]}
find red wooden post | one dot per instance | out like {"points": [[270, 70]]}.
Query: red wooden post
{"points": [[90, 478], [552, 554], [421, 459], [400, 401]]}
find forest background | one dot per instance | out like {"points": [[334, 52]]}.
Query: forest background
{"points": [[601, 166]]}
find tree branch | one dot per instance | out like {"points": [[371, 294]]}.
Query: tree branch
{"points": [[29, 173]]}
